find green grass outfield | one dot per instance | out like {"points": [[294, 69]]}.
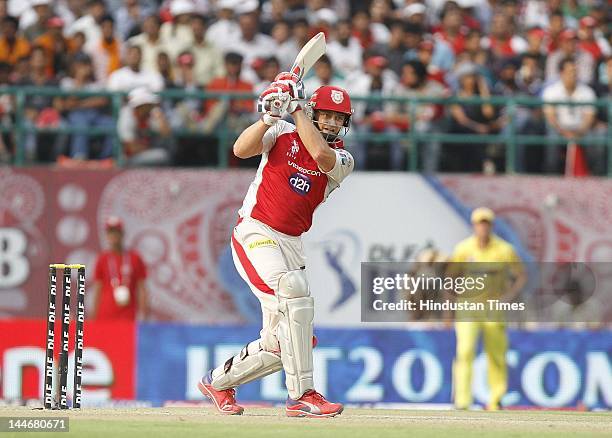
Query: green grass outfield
{"points": [[353, 423]]}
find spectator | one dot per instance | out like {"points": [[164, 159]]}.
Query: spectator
{"points": [[143, 130], [272, 12], [425, 56], [44, 11], [555, 28], [536, 13], [529, 120], [324, 74], [266, 73], [177, 35], [208, 59], [287, 46], [57, 47], [86, 112], [12, 46], [225, 30], [344, 50], [21, 69], [132, 76], [290, 38], [535, 47], [469, 12], [442, 56], [530, 76], [414, 83], [149, 42], [119, 290], [394, 48], [603, 89], [474, 53], [471, 118], [415, 14], [251, 43], [165, 68], [502, 42], [324, 20], [375, 81], [597, 46], [40, 110], [89, 24], [76, 44], [106, 52], [239, 113], [70, 11], [568, 48], [130, 16], [569, 122], [506, 84], [361, 29], [185, 76], [452, 30], [413, 35], [184, 112], [380, 13]]}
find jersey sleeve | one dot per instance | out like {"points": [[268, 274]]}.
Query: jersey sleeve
{"points": [[344, 165], [272, 134]]}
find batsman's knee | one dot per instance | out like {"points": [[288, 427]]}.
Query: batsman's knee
{"points": [[293, 284]]}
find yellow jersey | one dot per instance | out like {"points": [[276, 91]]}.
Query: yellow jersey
{"points": [[493, 263]]}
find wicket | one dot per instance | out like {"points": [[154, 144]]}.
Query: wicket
{"points": [[59, 400]]}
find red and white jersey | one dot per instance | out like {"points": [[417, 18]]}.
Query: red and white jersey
{"points": [[289, 185]]}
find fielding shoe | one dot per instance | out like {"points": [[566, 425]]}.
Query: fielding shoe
{"points": [[312, 404], [224, 401]]}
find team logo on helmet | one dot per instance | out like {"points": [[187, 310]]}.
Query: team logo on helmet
{"points": [[337, 96]]}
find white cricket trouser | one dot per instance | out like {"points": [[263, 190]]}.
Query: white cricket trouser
{"points": [[262, 255]]}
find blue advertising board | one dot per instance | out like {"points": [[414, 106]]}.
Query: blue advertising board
{"points": [[559, 368]]}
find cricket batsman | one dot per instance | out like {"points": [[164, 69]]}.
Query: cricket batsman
{"points": [[301, 165]]}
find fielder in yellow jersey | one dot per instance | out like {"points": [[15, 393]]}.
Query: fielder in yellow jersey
{"points": [[485, 247]]}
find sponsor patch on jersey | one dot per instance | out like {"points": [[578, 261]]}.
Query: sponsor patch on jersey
{"points": [[262, 243], [300, 183], [303, 170]]}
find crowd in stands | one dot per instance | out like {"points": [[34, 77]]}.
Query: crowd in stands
{"points": [[550, 49]]}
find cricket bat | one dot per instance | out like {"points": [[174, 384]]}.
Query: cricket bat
{"points": [[310, 53], [305, 59]]}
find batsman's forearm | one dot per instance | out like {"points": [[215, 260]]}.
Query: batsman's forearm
{"points": [[316, 145], [249, 143]]}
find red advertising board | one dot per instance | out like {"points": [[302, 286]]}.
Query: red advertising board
{"points": [[180, 221], [109, 360]]}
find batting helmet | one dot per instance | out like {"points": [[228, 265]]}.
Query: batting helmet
{"points": [[331, 98]]}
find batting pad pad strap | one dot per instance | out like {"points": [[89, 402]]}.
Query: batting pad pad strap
{"points": [[250, 364]]}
